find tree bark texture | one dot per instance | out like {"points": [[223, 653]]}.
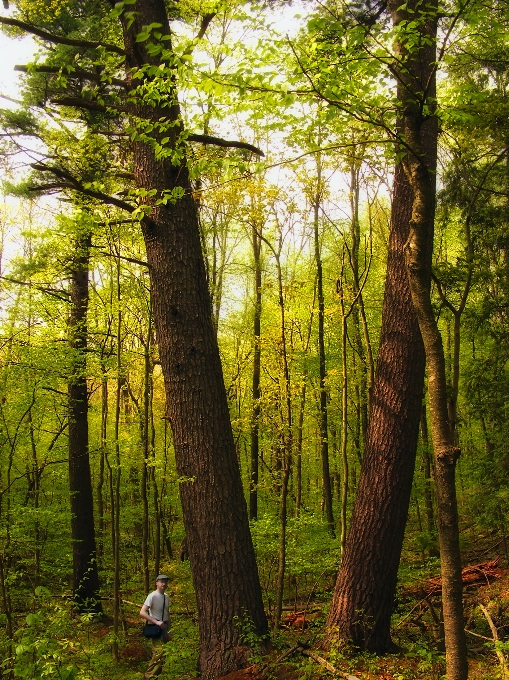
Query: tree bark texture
{"points": [[85, 575], [417, 96], [363, 597], [214, 509]]}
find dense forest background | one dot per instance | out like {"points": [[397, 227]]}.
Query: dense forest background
{"points": [[290, 132]]}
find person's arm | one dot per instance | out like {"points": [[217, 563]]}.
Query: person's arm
{"points": [[144, 613]]}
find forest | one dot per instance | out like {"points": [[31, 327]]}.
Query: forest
{"points": [[254, 294]]}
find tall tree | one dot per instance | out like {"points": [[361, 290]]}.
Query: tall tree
{"points": [[362, 603], [85, 573], [214, 508], [215, 514]]}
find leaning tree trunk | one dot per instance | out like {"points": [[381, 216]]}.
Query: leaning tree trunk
{"points": [[363, 598], [85, 575], [418, 100], [214, 509]]}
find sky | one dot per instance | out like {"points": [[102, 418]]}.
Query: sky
{"points": [[12, 52]]}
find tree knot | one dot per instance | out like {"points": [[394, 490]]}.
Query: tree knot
{"points": [[448, 454]]}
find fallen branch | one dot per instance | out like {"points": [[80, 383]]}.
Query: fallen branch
{"points": [[323, 662], [498, 652], [265, 670], [477, 575]]}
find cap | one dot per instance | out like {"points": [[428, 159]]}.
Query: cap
{"points": [[162, 577]]}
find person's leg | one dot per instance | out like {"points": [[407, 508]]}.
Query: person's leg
{"points": [[156, 662]]}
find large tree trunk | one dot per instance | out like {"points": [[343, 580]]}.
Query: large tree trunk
{"points": [[214, 509], [85, 576], [363, 597], [418, 98]]}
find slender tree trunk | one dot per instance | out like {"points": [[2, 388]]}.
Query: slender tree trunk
{"points": [[287, 446], [358, 311], [100, 479], [255, 425], [85, 574], [344, 426], [145, 468], [214, 509], [428, 490], [324, 431], [298, 445], [302, 408], [116, 478]]}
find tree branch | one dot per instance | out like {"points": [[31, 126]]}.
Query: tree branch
{"points": [[70, 182], [217, 141], [207, 18], [79, 103], [60, 39], [76, 73], [60, 294]]}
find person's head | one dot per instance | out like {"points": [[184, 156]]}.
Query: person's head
{"points": [[162, 582]]}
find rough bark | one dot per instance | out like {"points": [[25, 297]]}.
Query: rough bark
{"points": [[363, 597], [417, 97], [214, 509], [85, 575]]}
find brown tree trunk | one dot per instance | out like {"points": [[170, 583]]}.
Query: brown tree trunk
{"points": [[214, 509], [102, 454], [363, 598], [416, 95], [145, 468], [255, 425], [428, 489], [324, 430], [85, 574]]}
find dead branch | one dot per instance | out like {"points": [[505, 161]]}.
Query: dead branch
{"points": [[498, 652], [323, 662]]}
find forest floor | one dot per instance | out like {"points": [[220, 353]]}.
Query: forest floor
{"points": [[295, 653], [51, 641]]}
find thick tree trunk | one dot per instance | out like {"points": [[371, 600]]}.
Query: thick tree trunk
{"points": [[363, 598], [85, 575], [416, 96], [214, 509]]}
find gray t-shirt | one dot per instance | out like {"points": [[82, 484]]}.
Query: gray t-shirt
{"points": [[155, 602]]}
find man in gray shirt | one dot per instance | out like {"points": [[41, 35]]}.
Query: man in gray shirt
{"points": [[156, 609]]}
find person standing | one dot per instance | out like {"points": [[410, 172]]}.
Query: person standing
{"points": [[156, 609]]}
